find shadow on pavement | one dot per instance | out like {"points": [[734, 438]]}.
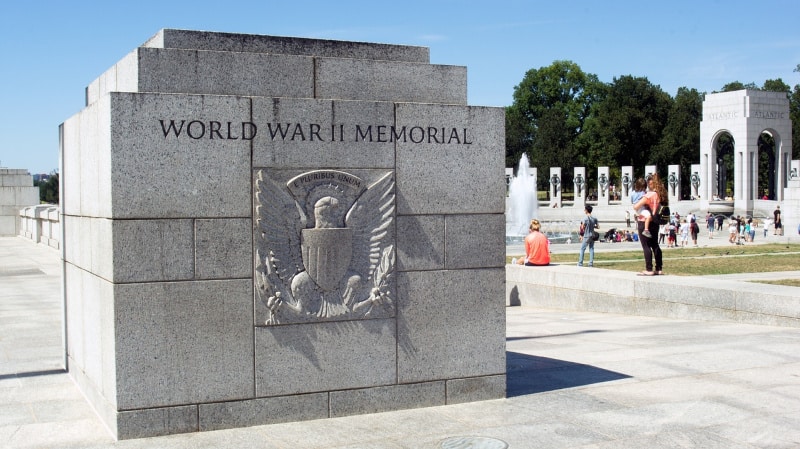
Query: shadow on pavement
{"points": [[528, 374]]}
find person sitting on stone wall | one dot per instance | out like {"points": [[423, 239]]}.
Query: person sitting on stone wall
{"points": [[537, 247]]}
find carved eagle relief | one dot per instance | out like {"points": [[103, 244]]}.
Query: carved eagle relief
{"points": [[324, 247]]}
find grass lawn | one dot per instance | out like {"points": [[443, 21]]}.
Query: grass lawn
{"points": [[703, 261]]}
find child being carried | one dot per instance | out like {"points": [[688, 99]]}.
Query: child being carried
{"points": [[639, 189]]}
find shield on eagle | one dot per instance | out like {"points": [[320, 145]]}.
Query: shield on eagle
{"points": [[326, 254]]}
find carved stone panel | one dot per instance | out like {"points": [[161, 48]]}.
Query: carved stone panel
{"points": [[324, 245]]}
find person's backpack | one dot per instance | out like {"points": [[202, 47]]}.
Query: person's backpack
{"points": [[594, 224], [662, 214]]}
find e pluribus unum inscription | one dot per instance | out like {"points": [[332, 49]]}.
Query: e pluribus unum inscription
{"points": [[324, 247]]}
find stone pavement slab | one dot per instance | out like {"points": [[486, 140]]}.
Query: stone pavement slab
{"points": [[575, 380]]}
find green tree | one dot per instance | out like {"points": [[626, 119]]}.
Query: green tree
{"points": [[48, 190], [680, 140], [794, 115], [776, 85], [627, 124], [550, 107], [736, 85]]}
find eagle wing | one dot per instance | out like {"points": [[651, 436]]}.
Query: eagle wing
{"points": [[371, 218], [279, 222]]}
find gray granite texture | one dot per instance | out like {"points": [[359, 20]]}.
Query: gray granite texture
{"points": [[382, 399], [308, 133], [304, 358], [390, 81], [448, 323], [234, 42], [420, 242], [183, 342], [180, 231], [458, 164], [301, 407], [198, 173], [476, 389], [157, 421], [270, 75]]}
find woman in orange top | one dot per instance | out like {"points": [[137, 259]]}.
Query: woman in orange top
{"points": [[655, 195], [537, 247]]}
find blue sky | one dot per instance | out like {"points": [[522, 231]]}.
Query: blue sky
{"points": [[51, 50]]}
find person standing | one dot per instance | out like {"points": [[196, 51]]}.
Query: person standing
{"points": [[733, 229], [662, 233], [656, 195], [537, 247], [589, 224], [710, 223], [684, 230], [653, 198], [776, 216], [628, 218]]}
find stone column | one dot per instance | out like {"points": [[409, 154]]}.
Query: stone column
{"points": [[674, 183], [555, 186], [603, 181], [649, 170], [16, 192], [579, 182], [696, 181], [627, 184]]}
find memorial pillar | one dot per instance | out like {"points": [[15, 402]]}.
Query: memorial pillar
{"points": [[555, 187], [603, 181], [579, 181], [674, 183]]}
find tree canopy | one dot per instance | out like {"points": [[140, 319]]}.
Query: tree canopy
{"points": [[564, 117]]}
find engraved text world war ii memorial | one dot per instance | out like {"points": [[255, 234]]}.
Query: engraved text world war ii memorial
{"points": [[261, 229]]}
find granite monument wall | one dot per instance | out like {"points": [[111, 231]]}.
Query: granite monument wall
{"points": [[264, 229], [16, 192]]}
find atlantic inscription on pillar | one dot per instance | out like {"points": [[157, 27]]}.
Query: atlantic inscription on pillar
{"points": [[325, 247]]}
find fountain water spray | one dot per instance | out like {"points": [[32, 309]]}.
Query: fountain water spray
{"points": [[523, 204]]}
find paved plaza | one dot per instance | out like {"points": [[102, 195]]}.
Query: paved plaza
{"points": [[575, 380]]}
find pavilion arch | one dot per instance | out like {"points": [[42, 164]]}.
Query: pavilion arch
{"points": [[767, 164], [745, 115], [723, 149]]}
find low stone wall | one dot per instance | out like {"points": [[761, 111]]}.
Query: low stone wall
{"points": [[697, 298], [41, 224]]}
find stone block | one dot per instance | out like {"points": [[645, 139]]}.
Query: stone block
{"points": [[156, 422], [476, 389], [69, 153], [475, 241], [460, 173], [203, 40], [382, 399], [350, 79], [169, 70], [174, 156], [94, 159], [91, 341], [223, 248], [153, 250], [314, 134], [451, 324], [8, 225], [7, 196], [183, 342], [261, 411], [420, 242], [304, 358]]}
